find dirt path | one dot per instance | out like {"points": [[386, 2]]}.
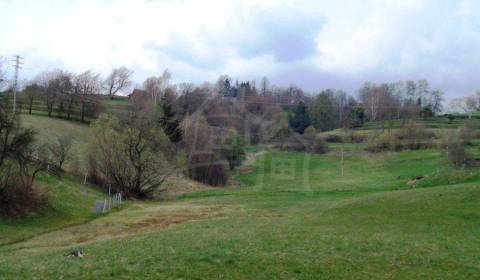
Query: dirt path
{"points": [[138, 218]]}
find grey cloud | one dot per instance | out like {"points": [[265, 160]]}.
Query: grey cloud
{"points": [[287, 34], [181, 48]]}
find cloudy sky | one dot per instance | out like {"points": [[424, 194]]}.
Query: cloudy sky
{"points": [[313, 44]]}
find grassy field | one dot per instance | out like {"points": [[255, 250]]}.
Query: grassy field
{"points": [[50, 129], [294, 217], [39, 107], [71, 203]]}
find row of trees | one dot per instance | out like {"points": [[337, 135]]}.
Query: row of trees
{"points": [[202, 129], [466, 104], [403, 99], [334, 108], [68, 95]]}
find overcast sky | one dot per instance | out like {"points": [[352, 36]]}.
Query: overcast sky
{"points": [[313, 44]]}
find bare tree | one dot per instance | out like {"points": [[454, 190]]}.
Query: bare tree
{"points": [[370, 94], [264, 84], [31, 92], [54, 86], [134, 157], [466, 105], [118, 81], [88, 84], [3, 78], [166, 77], [156, 86], [60, 150], [153, 87]]}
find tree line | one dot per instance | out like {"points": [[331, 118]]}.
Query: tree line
{"points": [[72, 96], [201, 131]]}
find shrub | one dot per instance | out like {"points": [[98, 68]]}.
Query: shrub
{"points": [[456, 155], [385, 142], [133, 158], [412, 136], [334, 138], [204, 165], [450, 118], [454, 148], [355, 138], [60, 150], [207, 168], [415, 131], [20, 161], [233, 149], [469, 131], [318, 146], [308, 142], [18, 197], [294, 142]]}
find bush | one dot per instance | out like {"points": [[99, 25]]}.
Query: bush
{"points": [[456, 155], [334, 138], [415, 131], [469, 131], [294, 142], [355, 138], [133, 158], [309, 142], [454, 148], [60, 150], [17, 194], [412, 136], [318, 146], [20, 161], [385, 142], [207, 168], [232, 149]]}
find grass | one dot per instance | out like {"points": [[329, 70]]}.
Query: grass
{"points": [[368, 224], [118, 104], [290, 216], [50, 129], [71, 203]]}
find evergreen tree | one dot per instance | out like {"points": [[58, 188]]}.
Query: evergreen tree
{"points": [[356, 116], [300, 119], [233, 149], [321, 112], [169, 123]]}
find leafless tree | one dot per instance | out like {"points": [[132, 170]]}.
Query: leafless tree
{"points": [[31, 92], [153, 87], [134, 157], [156, 86], [60, 150], [3, 78], [118, 81], [466, 105], [264, 84], [370, 95], [88, 84]]}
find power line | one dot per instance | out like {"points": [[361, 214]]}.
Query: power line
{"points": [[17, 59]]}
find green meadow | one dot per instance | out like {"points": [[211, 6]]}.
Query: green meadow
{"points": [[286, 215]]}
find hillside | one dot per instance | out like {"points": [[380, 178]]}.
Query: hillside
{"points": [[369, 223], [71, 203]]}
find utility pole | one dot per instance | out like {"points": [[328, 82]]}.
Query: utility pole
{"points": [[342, 163], [18, 62]]}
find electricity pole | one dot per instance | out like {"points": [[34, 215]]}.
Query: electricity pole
{"points": [[18, 62]]}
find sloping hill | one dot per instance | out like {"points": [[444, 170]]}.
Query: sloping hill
{"points": [[422, 233], [71, 203], [371, 225], [50, 129]]}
